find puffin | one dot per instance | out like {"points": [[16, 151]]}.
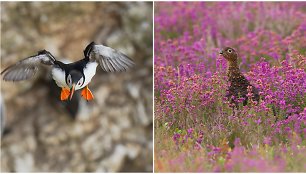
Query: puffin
{"points": [[71, 76]]}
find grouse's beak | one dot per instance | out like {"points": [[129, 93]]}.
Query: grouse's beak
{"points": [[72, 90], [221, 52]]}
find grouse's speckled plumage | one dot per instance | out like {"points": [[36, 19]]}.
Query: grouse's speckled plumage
{"points": [[238, 83]]}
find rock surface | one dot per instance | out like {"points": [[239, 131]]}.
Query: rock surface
{"points": [[113, 133]]}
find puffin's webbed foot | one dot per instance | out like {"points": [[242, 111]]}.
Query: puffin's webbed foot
{"points": [[86, 94], [65, 93]]}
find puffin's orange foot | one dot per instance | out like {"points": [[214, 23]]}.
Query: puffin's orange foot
{"points": [[65, 93], [86, 94]]}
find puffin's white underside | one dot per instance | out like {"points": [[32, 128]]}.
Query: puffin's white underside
{"points": [[59, 75], [89, 72]]}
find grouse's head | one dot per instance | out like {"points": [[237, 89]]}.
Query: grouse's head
{"points": [[229, 54], [74, 80]]}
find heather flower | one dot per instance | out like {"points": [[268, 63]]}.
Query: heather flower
{"points": [[267, 140], [189, 132], [176, 138], [258, 121]]}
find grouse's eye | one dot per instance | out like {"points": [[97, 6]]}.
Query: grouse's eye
{"points": [[229, 50]]}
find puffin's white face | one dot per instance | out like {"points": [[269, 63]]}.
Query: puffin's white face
{"points": [[77, 84]]}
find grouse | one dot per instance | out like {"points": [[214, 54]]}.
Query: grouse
{"points": [[238, 84]]}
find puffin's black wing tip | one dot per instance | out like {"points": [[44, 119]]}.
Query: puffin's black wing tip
{"points": [[42, 52], [88, 49], [5, 70]]}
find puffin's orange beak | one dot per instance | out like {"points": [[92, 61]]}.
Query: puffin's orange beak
{"points": [[72, 91]]}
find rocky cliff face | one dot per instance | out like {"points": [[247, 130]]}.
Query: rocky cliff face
{"points": [[113, 133]]}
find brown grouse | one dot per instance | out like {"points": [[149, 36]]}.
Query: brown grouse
{"points": [[238, 83]]}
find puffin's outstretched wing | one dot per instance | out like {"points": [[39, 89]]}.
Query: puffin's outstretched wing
{"points": [[109, 59], [27, 67]]}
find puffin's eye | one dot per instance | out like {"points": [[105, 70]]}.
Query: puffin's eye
{"points": [[80, 82], [69, 79], [229, 50]]}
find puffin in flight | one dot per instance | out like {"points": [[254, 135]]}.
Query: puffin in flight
{"points": [[72, 76]]}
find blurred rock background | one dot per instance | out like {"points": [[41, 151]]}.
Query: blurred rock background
{"points": [[113, 133]]}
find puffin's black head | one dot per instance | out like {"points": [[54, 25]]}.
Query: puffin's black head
{"points": [[74, 80], [229, 54]]}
